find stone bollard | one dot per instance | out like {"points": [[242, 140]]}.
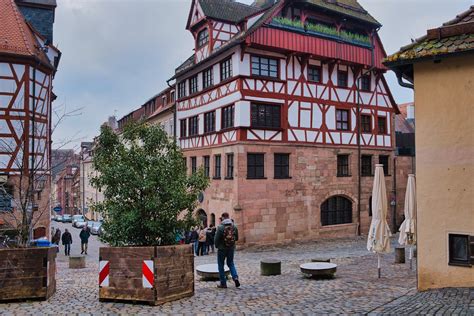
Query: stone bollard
{"points": [[77, 262], [270, 267], [399, 255]]}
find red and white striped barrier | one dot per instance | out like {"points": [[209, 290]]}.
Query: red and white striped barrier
{"points": [[104, 271], [148, 276]]}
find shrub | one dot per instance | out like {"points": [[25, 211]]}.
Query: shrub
{"points": [[148, 196]]}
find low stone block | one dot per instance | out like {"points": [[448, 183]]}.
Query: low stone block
{"points": [[270, 267], [77, 262], [399, 255]]}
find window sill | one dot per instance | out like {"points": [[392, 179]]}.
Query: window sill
{"points": [[252, 76], [264, 178], [216, 178], [282, 178], [460, 264], [367, 175], [279, 129], [344, 175], [229, 178]]}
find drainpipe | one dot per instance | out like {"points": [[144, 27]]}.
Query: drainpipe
{"points": [[359, 149], [394, 191], [402, 83]]}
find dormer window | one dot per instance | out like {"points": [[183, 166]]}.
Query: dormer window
{"points": [[203, 38]]}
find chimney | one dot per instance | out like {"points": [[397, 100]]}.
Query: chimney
{"points": [[411, 111]]}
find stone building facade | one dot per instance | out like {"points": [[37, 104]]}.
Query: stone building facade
{"points": [[277, 113]]}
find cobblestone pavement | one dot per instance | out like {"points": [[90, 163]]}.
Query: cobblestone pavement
{"points": [[355, 290]]}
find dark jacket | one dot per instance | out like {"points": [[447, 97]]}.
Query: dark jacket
{"points": [[194, 236], [84, 235], [67, 238], [210, 235], [219, 239]]}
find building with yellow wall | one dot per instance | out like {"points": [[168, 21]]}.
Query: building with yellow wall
{"points": [[440, 67]]}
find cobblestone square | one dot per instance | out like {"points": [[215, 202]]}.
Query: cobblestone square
{"points": [[355, 290]]}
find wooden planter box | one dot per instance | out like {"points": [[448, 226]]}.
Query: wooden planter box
{"points": [[153, 275], [27, 273]]}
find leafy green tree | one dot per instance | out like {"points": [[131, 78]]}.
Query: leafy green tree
{"points": [[148, 196]]}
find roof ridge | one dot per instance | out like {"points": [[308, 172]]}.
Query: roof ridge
{"points": [[22, 31]]}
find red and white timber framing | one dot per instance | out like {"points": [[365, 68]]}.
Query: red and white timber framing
{"points": [[25, 97], [308, 108]]}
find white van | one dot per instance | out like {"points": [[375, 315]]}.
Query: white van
{"points": [[78, 221]]}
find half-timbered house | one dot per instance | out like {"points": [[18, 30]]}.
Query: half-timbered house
{"points": [[285, 106], [28, 62]]}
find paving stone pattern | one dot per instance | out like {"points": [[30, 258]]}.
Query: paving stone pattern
{"points": [[355, 290]]}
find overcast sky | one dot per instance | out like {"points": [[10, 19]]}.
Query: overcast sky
{"points": [[116, 54]]}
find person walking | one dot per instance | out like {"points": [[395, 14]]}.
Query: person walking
{"points": [[57, 237], [67, 241], [194, 240], [202, 242], [227, 235], [210, 235], [84, 235]]}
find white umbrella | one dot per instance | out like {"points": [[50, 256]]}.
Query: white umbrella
{"points": [[378, 240], [408, 227]]}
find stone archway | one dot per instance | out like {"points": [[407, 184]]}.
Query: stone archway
{"points": [[202, 217], [213, 219], [39, 232]]}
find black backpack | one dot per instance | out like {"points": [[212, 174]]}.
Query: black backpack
{"points": [[229, 236]]}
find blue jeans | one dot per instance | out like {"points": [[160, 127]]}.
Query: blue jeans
{"points": [[226, 255], [67, 249], [196, 243]]}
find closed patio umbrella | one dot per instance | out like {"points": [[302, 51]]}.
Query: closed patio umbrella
{"points": [[408, 227], [378, 240]]}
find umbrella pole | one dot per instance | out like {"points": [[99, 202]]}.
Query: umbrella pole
{"points": [[411, 257], [378, 264]]}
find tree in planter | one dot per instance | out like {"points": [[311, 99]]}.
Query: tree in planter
{"points": [[148, 196]]}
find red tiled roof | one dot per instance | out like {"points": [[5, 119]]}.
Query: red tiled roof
{"points": [[16, 37]]}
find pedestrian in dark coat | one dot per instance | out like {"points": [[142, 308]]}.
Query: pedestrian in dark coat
{"points": [[227, 235], [67, 241], [84, 235]]}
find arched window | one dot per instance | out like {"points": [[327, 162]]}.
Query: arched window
{"points": [[203, 38], [202, 217], [336, 210]]}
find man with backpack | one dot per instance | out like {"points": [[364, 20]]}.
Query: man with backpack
{"points": [[226, 237]]}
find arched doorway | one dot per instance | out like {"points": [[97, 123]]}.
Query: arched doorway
{"points": [[336, 210], [39, 232], [202, 217], [213, 219]]}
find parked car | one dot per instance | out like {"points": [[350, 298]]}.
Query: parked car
{"points": [[77, 218], [66, 218], [79, 223], [94, 227]]}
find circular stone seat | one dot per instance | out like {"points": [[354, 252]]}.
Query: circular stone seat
{"points": [[320, 260], [210, 271], [319, 269], [270, 267]]}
